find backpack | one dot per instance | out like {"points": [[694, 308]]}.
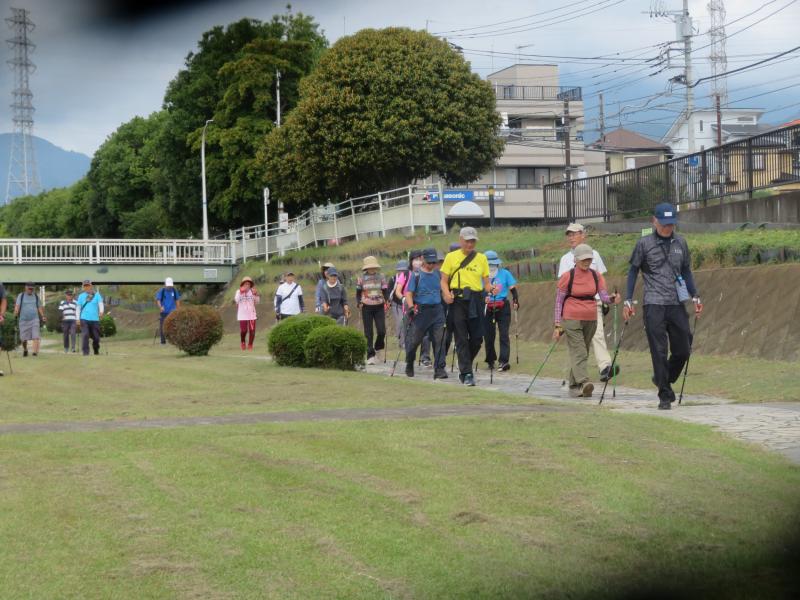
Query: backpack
{"points": [[569, 288], [19, 299]]}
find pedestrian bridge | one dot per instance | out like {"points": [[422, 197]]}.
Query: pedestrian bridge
{"points": [[70, 261]]}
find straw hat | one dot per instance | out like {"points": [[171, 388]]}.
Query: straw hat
{"points": [[370, 262], [247, 279]]}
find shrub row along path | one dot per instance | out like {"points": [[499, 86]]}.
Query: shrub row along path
{"points": [[775, 426]]}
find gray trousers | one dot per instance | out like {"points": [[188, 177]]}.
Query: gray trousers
{"points": [[68, 328]]}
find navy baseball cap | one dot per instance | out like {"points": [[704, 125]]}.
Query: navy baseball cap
{"points": [[666, 214], [429, 255]]}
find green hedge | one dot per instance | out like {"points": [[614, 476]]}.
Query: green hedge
{"points": [[194, 329], [335, 347], [287, 338], [8, 338]]}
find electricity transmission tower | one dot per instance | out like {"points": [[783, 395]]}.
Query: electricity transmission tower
{"points": [[23, 178], [719, 58]]}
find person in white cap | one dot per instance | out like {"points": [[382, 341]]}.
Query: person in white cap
{"points": [[576, 234], [576, 315], [466, 289], [288, 299], [372, 297], [167, 299]]}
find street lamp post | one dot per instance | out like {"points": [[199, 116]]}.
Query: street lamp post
{"points": [[203, 177], [266, 226], [491, 206]]}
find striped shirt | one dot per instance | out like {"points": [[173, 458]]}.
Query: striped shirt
{"points": [[68, 310]]}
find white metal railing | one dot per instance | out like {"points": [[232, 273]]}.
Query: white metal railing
{"points": [[403, 208], [82, 251]]}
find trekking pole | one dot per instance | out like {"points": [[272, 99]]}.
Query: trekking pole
{"points": [[491, 365], [10, 368], [549, 352], [686, 369], [614, 373], [614, 360], [438, 354], [453, 359], [399, 349], [516, 331]]}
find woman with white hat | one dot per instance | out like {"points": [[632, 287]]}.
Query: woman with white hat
{"points": [[246, 299], [576, 315], [372, 297]]}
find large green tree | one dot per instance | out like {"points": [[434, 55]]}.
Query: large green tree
{"points": [[231, 79], [383, 108]]}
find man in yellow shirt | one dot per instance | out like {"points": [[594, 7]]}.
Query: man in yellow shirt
{"points": [[466, 288]]}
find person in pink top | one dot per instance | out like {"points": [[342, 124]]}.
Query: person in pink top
{"points": [[576, 315], [246, 299]]}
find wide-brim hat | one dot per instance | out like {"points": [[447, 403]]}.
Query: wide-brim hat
{"points": [[327, 265], [583, 251], [370, 262], [247, 279]]}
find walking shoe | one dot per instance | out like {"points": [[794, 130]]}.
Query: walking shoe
{"points": [[440, 374], [469, 380], [426, 362], [36, 354], [461, 377], [244, 346], [606, 373], [575, 392], [24, 353], [664, 405], [371, 360], [586, 390], [505, 367], [409, 369], [250, 347], [66, 350], [96, 352]]}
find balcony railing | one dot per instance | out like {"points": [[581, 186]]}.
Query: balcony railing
{"points": [[537, 92]]}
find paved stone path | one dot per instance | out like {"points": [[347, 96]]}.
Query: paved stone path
{"points": [[775, 426]]}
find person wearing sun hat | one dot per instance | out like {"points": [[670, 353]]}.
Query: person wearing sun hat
{"points": [[397, 288], [372, 297], [334, 298], [576, 315], [246, 298], [663, 257], [498, 311]]}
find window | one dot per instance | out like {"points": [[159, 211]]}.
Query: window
{"points": [[511, 177], [527, 177], [630, 162], [701, 124], [541, 176]]}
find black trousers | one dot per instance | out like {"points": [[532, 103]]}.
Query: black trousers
{"points": [[667, 329], [498, 319], [467, 330], [428, 323], [374, 315], [90, 329]]}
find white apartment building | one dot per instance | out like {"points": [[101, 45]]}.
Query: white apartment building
{"points": [[737, 123]]}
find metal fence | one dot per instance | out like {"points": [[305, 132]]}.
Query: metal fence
{"points": [[82, 251], [537, 92], [405, 209], [738, 168]]}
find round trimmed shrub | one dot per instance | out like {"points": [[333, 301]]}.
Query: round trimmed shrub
{"points": [[286, 340], [8, 339], [108, 326], [335, 347], [193, 329]]}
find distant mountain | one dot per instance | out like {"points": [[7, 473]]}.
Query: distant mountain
{"points": [[57, 167]]}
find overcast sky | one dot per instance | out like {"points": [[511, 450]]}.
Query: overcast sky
{"points": [[99, 64]]}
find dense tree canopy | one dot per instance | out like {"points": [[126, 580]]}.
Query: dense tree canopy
{"points": [[382, 108]]}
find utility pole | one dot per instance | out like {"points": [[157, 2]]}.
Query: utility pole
{"points": [[686, 31], [720, 166], [602, 119], [278, 98], [203, 177], [565, 129], [719, 56]]}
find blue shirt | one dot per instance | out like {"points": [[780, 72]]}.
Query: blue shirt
{"points": [[168, 296], [89, 310], [504, 280], [430, 287]]}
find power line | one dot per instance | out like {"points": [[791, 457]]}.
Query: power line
{"points": [[746, 67]]}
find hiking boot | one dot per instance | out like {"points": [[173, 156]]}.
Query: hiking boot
{"points": [[24, 353], [664, 405], [96, 352], [461, 377], [469, 380], [575, 392], [440, 374], [409, 369], [371, 360], [586, 390], [505, 367], [606, 373]]}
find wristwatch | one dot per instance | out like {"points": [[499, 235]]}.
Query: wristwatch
{"points": [[696, 300], [628, 303]]}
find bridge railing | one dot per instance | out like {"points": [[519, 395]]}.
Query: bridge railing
{"points": [[400, 209], [86, 251]]}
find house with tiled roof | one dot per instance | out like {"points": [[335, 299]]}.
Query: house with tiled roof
{"points": [[626, 149]]}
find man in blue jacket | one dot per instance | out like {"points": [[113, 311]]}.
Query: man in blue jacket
{"points": [[664, 261], [167, 299]]}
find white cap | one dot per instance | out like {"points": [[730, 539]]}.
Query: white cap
{"points": [[576, 227], [583, 252], [168, 282]]}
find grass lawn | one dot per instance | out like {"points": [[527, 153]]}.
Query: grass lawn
{"points": [[579, 505]]}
